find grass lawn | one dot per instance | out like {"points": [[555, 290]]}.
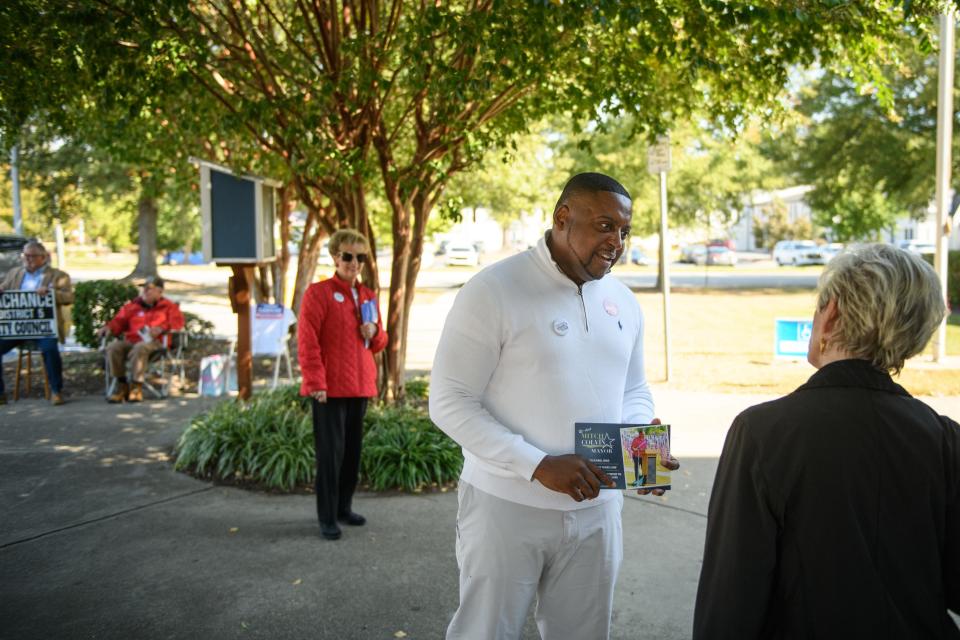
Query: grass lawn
{"points": [[723, 341]]}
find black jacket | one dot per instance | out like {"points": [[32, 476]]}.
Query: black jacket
{"points": [[835, 513]]}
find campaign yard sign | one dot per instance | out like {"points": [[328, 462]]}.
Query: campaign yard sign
{"points": [[792, 335], [27, 315]]}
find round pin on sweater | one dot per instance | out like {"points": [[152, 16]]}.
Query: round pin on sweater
{"points": [[611, 307], [561, 326], [338, 296]]}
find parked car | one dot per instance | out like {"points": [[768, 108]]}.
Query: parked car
{"points": [[638, 257], [689, 253], [721, 256], [723, 242], [797, 252], [11, 246], [179, 257], [918, 247], [462, 254], [635, 256], [830, 250]]}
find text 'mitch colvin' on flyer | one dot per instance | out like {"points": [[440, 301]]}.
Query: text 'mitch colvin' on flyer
{"points": [[631, 454]]}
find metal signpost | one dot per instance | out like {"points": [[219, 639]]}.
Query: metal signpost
{"points": [[658, 162], [944, 144]]}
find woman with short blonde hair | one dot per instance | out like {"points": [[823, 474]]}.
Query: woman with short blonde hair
{"points": [[836, 509], [339, 331], [346, 236], [889, 303]]}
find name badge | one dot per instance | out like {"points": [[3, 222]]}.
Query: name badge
{"points": [[338, 296]]}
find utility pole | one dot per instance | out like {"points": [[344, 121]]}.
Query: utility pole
{"points": [[944, 140]]}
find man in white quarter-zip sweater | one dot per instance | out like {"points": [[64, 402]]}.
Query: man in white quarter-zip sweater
{"points": [[533, 344]]}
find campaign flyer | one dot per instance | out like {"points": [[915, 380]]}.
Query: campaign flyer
{"points": [[631, 454]]}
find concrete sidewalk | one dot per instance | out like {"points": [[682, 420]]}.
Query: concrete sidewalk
{"points": [[100, 538]]}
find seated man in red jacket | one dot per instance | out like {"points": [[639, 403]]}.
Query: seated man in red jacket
{"points": [[142, 324]]}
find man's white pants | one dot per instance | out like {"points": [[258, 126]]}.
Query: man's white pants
{"points": [[508, 553]]}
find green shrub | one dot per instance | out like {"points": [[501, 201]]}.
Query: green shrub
{"points": [[417, 388], [95, 303], [269, 442], [402, 449]]}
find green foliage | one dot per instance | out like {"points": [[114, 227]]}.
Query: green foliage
{"points": [[197, 328], [403, 449], [515, 177], [417, 388], [953, 277], [773, 225], [857, 215], [95, 303], [712, 170], [269, 442], [869, 160]]}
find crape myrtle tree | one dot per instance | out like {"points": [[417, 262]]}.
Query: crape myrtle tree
{"points": [[409, 93]]}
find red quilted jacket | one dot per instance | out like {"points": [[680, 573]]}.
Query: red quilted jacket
{"points": [[135, 314], [329, 345]]}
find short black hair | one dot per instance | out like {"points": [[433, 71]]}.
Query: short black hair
{"points": [[591, 183]]}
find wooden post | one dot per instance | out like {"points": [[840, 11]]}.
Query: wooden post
{"points": [[240, 287]]}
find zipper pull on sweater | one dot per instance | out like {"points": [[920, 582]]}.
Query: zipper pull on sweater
{"points": [[583, 308]]}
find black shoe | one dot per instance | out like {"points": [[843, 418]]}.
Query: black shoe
{"points": [[352, 519], [330, 531]]}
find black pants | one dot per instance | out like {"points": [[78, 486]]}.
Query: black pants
{"points": [[337, 438]]}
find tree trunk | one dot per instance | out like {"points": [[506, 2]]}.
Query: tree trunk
{"points": [[262, 285], [410, 223], [395, 352], [146, 236], [306, 268], [282, 264]]}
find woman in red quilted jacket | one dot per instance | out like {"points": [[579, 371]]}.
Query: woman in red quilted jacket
{"points": [[339, 330]]}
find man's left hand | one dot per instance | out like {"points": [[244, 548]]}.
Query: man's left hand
{"points": [[156, 331], [670, 463], [42, 290]]}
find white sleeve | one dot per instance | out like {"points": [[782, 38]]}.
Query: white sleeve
{"points": [[467, 356], [637, 398]]}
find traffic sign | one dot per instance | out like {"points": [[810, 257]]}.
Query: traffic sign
{"points": [[658, 156]]}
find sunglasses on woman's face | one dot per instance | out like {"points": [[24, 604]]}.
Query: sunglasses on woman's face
{"points": [[346, 256]]}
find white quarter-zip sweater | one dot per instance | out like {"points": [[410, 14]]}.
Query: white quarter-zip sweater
{"points": [[525, 354]]}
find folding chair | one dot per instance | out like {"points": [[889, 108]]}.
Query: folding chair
{"points": [[162, 366]]}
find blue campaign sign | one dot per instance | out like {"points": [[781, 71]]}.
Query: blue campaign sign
{"points": [[792, 337]]}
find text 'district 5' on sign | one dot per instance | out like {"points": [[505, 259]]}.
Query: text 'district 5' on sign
{"points": [[27, 315]]}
